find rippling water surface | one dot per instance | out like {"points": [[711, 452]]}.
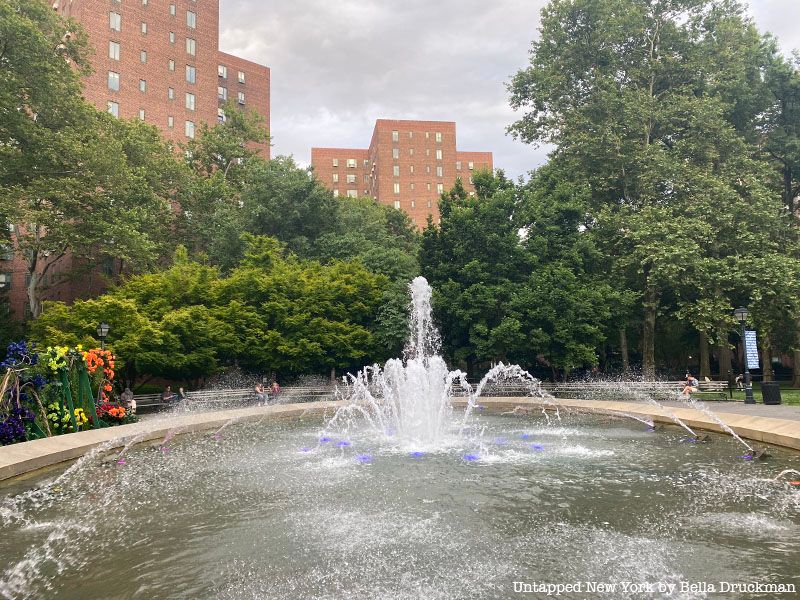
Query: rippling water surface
{"points": [[271, 511]]}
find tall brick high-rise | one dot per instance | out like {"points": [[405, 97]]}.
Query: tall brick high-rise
{"points": [[408, 165], [159, 60]]}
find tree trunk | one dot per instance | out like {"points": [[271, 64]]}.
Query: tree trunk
{"points": [[705, 358], [796, 369], [651, 300], [623, 349], [766, 357], [333, 375], [724, 360]]}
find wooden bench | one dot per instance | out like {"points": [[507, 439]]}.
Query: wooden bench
{"points": [[712, 388], [218, 397]]}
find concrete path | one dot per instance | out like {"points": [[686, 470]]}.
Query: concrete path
{"points": [[780, 411]]}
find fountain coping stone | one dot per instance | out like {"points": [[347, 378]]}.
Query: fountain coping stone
{"points": [[26, 457]]}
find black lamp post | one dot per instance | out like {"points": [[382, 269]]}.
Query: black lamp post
{"points": [[741, 315], [102, 333]]}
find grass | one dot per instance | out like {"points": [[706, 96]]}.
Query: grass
{"points": [[789, 395]]}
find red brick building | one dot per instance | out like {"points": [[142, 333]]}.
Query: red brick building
{"points": [[159, 61], [408, 165]]}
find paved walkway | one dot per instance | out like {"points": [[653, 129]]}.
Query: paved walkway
{"points": [[781, 411]]}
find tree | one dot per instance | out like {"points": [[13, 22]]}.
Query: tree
{"points": [[653, 104], [75, 181]]}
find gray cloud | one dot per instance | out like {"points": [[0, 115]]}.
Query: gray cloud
{"points": [[338, 66]]}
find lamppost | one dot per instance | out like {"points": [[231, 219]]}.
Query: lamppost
{"points": [[102, 333], [741, 315]]}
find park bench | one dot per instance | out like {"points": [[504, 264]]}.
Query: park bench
{"points": [[228, 397], [712, 388]]}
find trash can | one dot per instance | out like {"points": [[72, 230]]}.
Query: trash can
{"points": [[771, 392]]}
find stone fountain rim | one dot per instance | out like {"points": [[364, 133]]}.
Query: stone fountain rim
{"points": [[27, 457]]}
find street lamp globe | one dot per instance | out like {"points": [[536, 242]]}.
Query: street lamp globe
{"points": [[741, 314], [102, 331]]}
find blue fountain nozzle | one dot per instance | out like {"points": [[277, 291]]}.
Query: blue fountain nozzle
{"points": [[471, 457], [416, 454], [364, 458]]}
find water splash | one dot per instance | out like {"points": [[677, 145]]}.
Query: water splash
{"points": [[710, 414], [412, 397], [134, 440]]}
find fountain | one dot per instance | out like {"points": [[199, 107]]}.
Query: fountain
{"points": [[400, 495]]}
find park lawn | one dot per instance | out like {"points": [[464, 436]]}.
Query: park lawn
{"points": [[788, 395]]}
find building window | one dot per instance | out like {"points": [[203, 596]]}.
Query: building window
{"points": [[410, 135], [438, 154], [222, 93], [191, 19], [471, 165], [438, 137], [143, 56], [5, 281], [427, 151], [113, 108], [366, 163], [241, 97], [221, 115], [171, 65], [144, 28], [397, 170], [395, 136], [191, 74], [428, 169], [472, 194], [113, 81], [115, 21], [171, 37], [413, 204], [190, 129], [351, 163], [396, 188], [171, 93], [142, 85], [427, 135], [190, 101], [335, 178], [241, 77], [335, 162], [191, 46], [395, 153], [440, 188], [411, 169], [397, 204], [471, 180], [6, 252], [352, 193], [335, 193], [439, 171], [144, 2], [141, 114], [222, 71], [430, 204], [458, 165], [351, 178], [172, 10], [113, 50], [170, 122], [411, 152], [412, 187], [429, 187]]}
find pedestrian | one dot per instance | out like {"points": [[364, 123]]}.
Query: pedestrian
{"points": [[128, 400], [740, 381], [261, 395], [275, 389], [181, 395], [167, 396]]}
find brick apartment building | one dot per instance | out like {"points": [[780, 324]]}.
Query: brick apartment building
{"points": [[159, 61], [408, 165]]}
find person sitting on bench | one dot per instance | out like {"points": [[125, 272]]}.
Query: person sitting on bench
{"points": [[692, 385]]}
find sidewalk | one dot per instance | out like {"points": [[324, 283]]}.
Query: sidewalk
{"points": [[781, 411]]}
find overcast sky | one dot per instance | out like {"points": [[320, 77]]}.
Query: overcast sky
{"points": [[338, 66]]}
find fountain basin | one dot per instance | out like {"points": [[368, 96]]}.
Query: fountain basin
{"points": [[255, 515], [30, 456]]}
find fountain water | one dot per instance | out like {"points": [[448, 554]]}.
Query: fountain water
{"points": [[411, 398]]}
